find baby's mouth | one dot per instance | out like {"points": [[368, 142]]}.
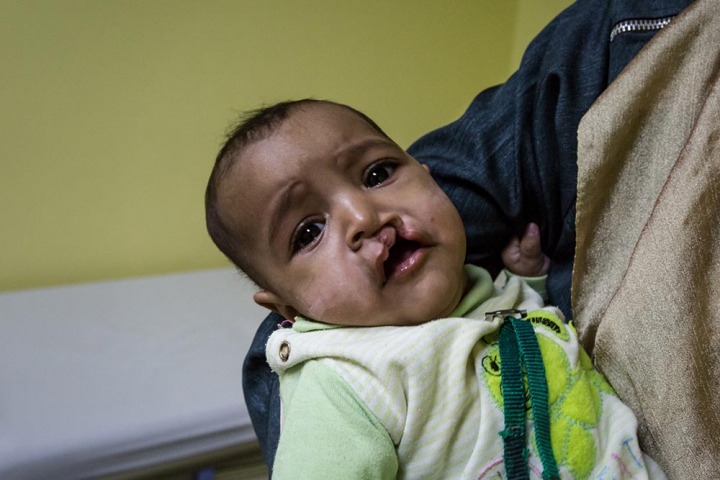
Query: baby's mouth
{"points": [[400, 257]]}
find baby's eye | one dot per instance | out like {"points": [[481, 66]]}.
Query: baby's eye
{"points": [[306, 234], [377, 173]]}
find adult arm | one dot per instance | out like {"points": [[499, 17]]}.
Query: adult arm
{"points": [[262, 390], [510, 159]]}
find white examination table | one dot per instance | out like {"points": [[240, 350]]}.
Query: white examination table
{"points": [[124, 378]]}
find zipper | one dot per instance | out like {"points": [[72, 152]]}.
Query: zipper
{"points": [[639, 25]]}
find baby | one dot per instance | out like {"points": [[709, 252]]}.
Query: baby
{"points": [[342, 230]]}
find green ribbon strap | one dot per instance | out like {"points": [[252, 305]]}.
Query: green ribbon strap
{"points": [[519, 349]]}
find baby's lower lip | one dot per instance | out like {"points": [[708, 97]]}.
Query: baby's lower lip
{"points": [[408, 265]]}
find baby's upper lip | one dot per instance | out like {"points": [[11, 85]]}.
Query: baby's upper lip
{"points": [[388, 236], [413, 236]]}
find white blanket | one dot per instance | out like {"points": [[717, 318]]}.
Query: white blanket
{"points": [[108, 377]]}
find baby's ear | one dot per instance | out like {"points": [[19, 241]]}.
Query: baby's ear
{"points": [[273, 302]]}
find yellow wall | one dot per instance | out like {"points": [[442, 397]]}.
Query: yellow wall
{"points": [[532, 16], [112, 111]]}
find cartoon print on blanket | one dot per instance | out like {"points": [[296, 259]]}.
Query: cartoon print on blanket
{"points": [[571, 390]]}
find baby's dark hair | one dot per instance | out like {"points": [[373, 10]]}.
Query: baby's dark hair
{"points": [[253, 126]]}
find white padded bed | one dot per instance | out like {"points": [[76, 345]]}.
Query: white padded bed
{"points": [[111, 378]]}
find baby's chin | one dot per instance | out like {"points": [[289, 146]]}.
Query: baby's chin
{"points": [[378, 319], [436, 296], [408, 318], [441, 298]]}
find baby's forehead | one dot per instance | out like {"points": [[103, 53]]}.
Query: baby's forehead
{"points": [[311, 138], [315, 132], [325, 118]]}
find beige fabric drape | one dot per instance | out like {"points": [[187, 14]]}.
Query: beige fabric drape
{"points": [[646, 285]]}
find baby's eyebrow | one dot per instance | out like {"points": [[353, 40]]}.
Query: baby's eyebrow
{"points": [[357, 149], [278, 213]]}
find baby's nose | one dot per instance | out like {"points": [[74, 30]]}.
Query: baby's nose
{"points": [[360, 219]]}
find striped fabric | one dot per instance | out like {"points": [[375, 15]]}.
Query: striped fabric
{"points": [[431, 388]]}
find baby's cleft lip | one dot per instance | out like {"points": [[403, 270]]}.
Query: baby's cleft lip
{"points": [[387, 236], [405, 254], [386, 239]]}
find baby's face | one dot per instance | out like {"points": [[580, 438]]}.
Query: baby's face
{"points": [[344, 225]]}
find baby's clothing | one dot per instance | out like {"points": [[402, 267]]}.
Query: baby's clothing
{"points": [[425, 401]]}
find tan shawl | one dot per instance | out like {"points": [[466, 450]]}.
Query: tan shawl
{"points": [[646, 285]]}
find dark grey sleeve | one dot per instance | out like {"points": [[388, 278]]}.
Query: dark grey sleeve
{"points": [[511, 158]]}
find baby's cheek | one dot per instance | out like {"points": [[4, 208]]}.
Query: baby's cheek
{"points": [[325, 302], [316, 306]]}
